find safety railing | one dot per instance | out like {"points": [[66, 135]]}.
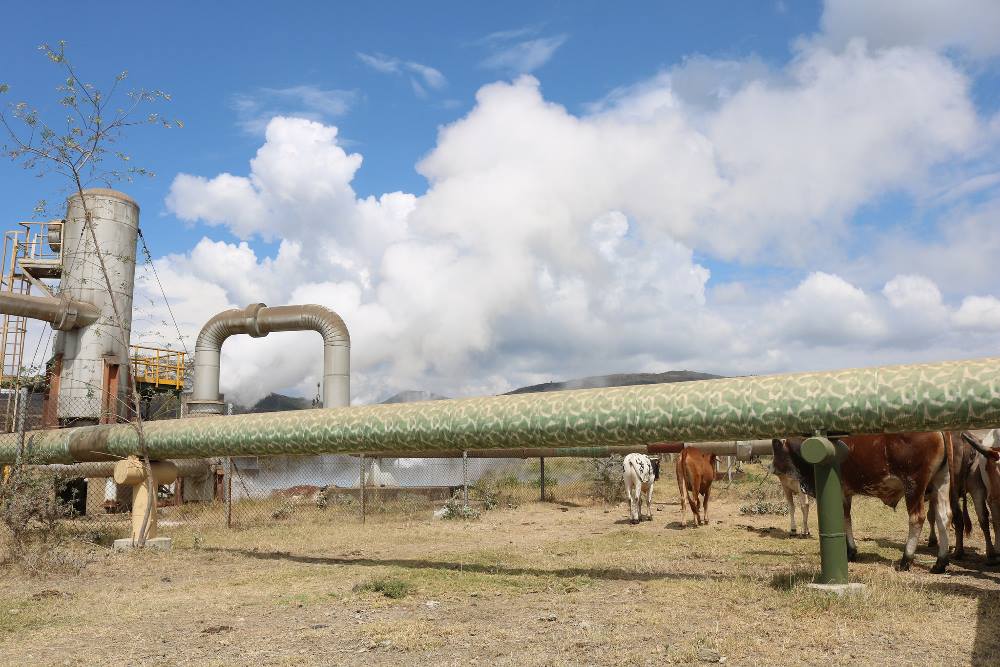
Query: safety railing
{"points": [[157, 367]]}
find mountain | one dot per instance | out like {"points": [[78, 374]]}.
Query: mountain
{"points": [[413, 395], [275, 403], [617, 380]]}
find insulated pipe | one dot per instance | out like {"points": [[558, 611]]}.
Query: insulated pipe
{"points": [[63, 313], [954, 395], [185, 468], [742, 449], [257, 320]]}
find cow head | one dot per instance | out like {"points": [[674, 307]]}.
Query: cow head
{"points": [[655, 460], [981, 447], [788, 461]]}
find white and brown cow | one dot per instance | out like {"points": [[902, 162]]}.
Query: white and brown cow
{"points": [[975, 472], [788, 476], [639, 473], [891, 467]]}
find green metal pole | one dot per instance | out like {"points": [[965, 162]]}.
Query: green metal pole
{"points": [[826, 458]]}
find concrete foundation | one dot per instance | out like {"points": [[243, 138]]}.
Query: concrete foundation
{"points": [[158, 543], [838, 589]]}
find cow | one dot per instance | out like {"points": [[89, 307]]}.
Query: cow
{"points": [[695, 474], [639, 473], [788, 476], [890, 467], [974, 470]]}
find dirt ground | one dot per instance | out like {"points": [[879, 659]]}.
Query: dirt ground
{"points": [[543, 584]]}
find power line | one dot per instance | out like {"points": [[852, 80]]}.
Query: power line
{"points": [[149, 262]]}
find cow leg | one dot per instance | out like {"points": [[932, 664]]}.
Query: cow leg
{"points": [[804, 507], [982, 513], [631, 504], [852, 548], [649, 501], [791, 509], [932, 540], [940, 486], [695, 501], [704, 506]]}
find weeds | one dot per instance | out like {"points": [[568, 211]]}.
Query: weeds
{"points": [[391, 587]]}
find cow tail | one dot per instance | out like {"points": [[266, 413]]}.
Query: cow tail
{"points": [[682, 485]]}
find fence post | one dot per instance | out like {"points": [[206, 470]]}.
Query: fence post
{"points": [[227, 488], [465, 478], [541, 477], [20, 414], [361, 484]]}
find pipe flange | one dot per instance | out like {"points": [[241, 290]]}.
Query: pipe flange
{"points": [[253, 321]]}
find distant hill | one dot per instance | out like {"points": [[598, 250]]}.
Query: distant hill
{"points": [[617, 380], [280, 402], [414, 395]]}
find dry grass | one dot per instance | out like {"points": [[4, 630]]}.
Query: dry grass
{"points": [[543, 584]]}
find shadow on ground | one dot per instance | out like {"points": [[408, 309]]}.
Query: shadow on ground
{"points": [[605, 573]]}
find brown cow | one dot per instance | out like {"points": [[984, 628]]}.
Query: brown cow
{"points": [[890, 467], [695, 474]]}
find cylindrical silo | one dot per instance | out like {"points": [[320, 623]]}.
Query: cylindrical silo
{"points": [[97, 354]]}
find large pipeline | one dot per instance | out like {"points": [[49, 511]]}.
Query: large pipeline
{"points": [[742, 449], [891, 399], [257, 320]]}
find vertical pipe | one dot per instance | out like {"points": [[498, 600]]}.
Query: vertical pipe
{"points": [[465, 478], [541, 477], [361, 484], [826, 457]]}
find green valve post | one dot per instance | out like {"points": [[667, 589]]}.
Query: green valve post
{"points": [[825, 457]]}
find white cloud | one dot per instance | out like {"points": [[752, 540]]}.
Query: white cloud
{"points": [[421, 76], [979, 313], [972, 26], [306, 101], [510, 53], [551, 244]]}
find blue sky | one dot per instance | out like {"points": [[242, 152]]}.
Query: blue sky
{"points": [[728, 186], [210, 57]]}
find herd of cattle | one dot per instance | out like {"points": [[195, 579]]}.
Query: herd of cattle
{"points": [[939, 468]]}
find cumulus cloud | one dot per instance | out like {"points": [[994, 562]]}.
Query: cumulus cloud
{"points": [[972, 26], [551, 244]]}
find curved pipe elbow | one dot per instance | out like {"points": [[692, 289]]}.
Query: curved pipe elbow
{"points": [[258, 320]]}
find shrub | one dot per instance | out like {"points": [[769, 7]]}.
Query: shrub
{"points": [[608, 482], [30, 515], [457, 509]]}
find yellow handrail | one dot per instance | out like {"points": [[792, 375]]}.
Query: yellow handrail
{"points": [[157, 366]]}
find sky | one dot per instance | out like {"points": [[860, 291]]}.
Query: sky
{"points": [[499, 195]]}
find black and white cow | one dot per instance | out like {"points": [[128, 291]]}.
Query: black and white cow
{"points": [[639, 472]]}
